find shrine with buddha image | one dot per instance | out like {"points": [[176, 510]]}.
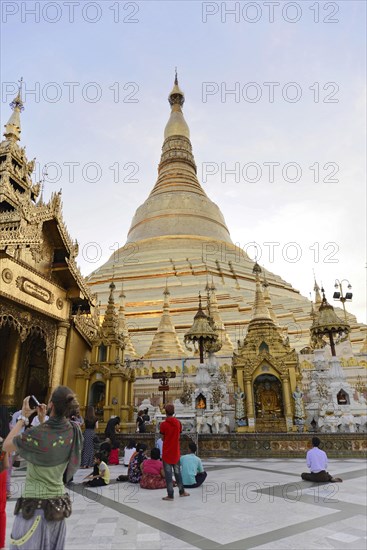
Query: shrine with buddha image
{"points": [[266, 369]]}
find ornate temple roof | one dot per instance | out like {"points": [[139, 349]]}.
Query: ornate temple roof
{"points": [[35, 234]]}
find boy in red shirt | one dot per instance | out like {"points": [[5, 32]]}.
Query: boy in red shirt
{"points": [[170, 430]]}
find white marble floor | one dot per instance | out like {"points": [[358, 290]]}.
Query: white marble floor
{"points": [[243, 504]]}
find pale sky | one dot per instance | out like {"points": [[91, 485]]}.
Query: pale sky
{"points": [[99, 107]]}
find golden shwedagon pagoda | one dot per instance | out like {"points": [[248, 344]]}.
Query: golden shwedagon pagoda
{"points": [[147, 293]]}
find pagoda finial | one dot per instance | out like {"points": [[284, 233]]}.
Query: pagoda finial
{"points": [[41, 200], [317, 291], [12, 128], [112, 287], [166, 294], [176, 97], [256, 270], [17, 101], [176, 125], [260, 310]]}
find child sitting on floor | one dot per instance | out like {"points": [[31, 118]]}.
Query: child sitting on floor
{"points": [[102, 477], [105, 449]]}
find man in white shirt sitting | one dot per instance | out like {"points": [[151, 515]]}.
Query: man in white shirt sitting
{"points": [[317, 462]]}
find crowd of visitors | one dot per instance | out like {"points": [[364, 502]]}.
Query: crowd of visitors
{"points": [[50, 440]]}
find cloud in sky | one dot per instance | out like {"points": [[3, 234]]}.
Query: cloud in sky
{"points": [[324, 129]]}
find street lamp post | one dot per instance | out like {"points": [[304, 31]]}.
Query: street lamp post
{"points": [[339, 295]]}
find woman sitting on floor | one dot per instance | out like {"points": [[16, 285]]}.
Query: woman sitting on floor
{"points": [[129, 451], [134, 472], [152, 472]]}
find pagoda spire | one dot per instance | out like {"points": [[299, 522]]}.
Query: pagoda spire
{"points": [[213, 312], [260, 311], [123, 328], [318, 299], [177, 201], [267, 301], [110, 322], [12, 127], [165, 342], [176, 125]]}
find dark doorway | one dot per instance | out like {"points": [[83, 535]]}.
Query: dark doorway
{"points": [[97, 396], [37, 368]]}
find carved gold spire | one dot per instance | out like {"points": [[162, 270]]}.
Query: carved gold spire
{"points": [[260, 311], [267, 301], [318, 299], [12, 128], [109, 327], [223, 337], [123, 328], [177, 205], [165, 342], [176, 125]]}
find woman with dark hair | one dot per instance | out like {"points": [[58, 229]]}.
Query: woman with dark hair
{"points": [[49, 449], [129, 451], [134, 472], [91, 424], [153, 474], [111, 428], [140, 423]]}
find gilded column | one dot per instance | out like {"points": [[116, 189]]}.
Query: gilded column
{"points": [[249, 398], [14, 347], [107, 397], [86, 393], [287, 403], [130, 397], [126, 392], [59, 354], [130, 393]]}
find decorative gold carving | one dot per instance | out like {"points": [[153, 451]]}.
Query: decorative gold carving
{"points": [[86, 325], [7, 275], [35, 290], [27, 323], [59, 303]]}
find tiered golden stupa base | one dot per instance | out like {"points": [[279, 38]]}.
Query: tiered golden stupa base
{"points": [[188, 264]]}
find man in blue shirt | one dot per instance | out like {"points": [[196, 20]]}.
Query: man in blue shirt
{"points": [[192, 470]]}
